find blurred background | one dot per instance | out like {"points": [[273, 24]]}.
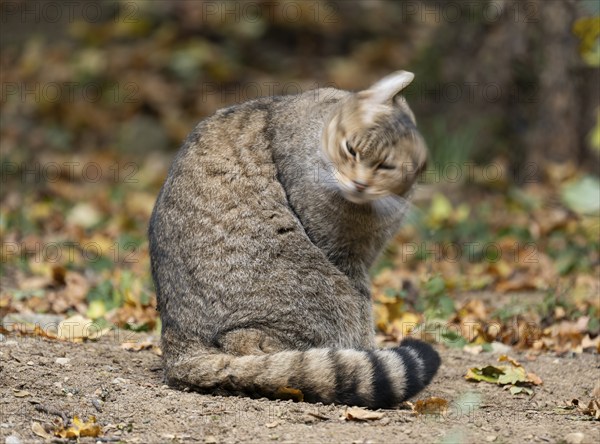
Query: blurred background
{"points": [[97, 97]]}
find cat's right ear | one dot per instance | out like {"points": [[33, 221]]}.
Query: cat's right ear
{"points": [[384, 91]]}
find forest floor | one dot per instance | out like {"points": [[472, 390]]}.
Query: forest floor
{"points": [[46, 383]]}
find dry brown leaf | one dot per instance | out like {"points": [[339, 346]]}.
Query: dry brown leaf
{"points": [[431, 406], [593, 408], [534, 379], [518, 282], [587, 342], [35, 283], [506, 358], [76, 288], [39, 430], [359, 414], [470, 327], [139, 346], [289, 393]]}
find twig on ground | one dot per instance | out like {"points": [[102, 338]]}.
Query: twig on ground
{"points": [[52, 411]]}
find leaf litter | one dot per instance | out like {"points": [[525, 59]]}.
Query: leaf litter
{"points": [[514, 376]]}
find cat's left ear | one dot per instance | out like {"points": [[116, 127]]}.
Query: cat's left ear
{"points": [[384, 91]]}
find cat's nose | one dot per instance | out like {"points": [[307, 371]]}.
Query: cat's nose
{"points": [[360, 186]]}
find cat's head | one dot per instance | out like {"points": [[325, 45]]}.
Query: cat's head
{"points": [[372, 142]]}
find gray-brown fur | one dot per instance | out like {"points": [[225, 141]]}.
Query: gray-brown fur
{"points": [[261, 262]]}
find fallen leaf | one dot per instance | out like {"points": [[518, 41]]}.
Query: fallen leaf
{"points": [[593, 409], [21, 393], [489, 374], [77, 328], [515, 390], [359, 414], [79, 429], [582, 195], [143, 345], [505, 358], [534, 379], [587, 342], [513, 374], [431, 406], [289, 393], [473, 349], [39, 430], [84, 215]]}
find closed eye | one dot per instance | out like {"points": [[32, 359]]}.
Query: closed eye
{"points": [[350, 149], [385, 166]]}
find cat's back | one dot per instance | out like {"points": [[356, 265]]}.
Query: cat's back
{"points": [[263, 117], [235, 146], [223, 230]]}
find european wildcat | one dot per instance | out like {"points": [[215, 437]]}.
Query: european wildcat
{"points": [[261, 264]]}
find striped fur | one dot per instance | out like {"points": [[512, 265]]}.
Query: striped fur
{"points": [[260, 263], [373, 378]]}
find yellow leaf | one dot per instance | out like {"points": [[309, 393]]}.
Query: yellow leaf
{"points": [[506, 358], [380, 314], [96, 309], [80, 429], [594, 136], [440, 210], [77, 328], [405, 324]]}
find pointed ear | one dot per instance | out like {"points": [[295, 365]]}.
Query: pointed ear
{"points": [[384, 90]]}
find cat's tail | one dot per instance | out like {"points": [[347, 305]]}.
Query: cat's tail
{"points": [[376, 379]]}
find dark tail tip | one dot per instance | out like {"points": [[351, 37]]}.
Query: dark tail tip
{"points": [[429, 357]]}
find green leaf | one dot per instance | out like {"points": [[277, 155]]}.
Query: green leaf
{"points": [[512, 375], [489, 374], [96, 309], [582, 196], [486, 347], [515, 390], [440, 210], [453, 339], [435, 286], [594, 136]]}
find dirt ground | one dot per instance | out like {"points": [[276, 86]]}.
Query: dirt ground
{"points": [[139, 408]]}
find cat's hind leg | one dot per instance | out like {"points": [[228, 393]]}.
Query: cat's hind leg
{"points": [[249, 341]]}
